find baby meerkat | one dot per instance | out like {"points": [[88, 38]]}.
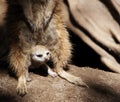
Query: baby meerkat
{"points": [[40, 55], [37, 22]]}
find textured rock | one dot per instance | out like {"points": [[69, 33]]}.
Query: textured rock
{"points": [[103, 87]]}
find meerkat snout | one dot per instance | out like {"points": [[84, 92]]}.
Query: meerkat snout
{"points": [[41, 55]]}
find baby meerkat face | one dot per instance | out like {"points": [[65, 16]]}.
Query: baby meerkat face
{"points": [[40, 54]]}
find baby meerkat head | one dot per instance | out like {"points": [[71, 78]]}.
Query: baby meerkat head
{"points": [[40, 54]]}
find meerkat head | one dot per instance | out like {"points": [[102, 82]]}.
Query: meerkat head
{"points": [[40, 54]]}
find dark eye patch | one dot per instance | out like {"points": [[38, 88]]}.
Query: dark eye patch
{"points": [[47, 53], [40, 55]]}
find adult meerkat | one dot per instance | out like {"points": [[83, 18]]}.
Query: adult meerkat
{"points": [[37, 22]]}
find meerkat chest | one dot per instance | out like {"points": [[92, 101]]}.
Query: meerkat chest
{"points": [[47, 38]]}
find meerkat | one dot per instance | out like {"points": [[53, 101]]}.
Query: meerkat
{"points": [[40, 55], [37, 22]]}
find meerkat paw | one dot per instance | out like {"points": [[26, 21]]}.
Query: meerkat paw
{"points": [[51, 73], [28, 79], [21, 87]]}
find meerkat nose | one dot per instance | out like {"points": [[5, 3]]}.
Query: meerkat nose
{"points": [[46, 59]]}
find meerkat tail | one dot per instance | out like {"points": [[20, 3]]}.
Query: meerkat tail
{"points": [[71, 78]]}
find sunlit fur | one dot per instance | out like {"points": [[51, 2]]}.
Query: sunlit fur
{"points": [[37, 22]]}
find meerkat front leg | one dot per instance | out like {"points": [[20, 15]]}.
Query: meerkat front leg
{"points": [[21, 87], [28, 79], [50, 72], [18, 62]]}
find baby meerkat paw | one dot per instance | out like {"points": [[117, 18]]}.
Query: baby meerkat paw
{"points": [[51, 73], [28, 79]]}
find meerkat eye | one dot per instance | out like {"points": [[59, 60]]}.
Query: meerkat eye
{"points": [[47, 53], [40, 55]]}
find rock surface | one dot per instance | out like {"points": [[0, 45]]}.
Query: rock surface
{"points": [[103, 87]]}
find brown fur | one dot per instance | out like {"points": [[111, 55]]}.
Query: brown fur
{"points": [[3, 9], [37, 22], [3, 37]]}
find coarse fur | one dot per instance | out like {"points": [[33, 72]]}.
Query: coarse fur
{"points": [[37, 22]]}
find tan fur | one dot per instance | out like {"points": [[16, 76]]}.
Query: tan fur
{"points": [[44, 27]]}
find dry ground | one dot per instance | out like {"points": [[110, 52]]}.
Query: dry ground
{"points": [[103, 87]]}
